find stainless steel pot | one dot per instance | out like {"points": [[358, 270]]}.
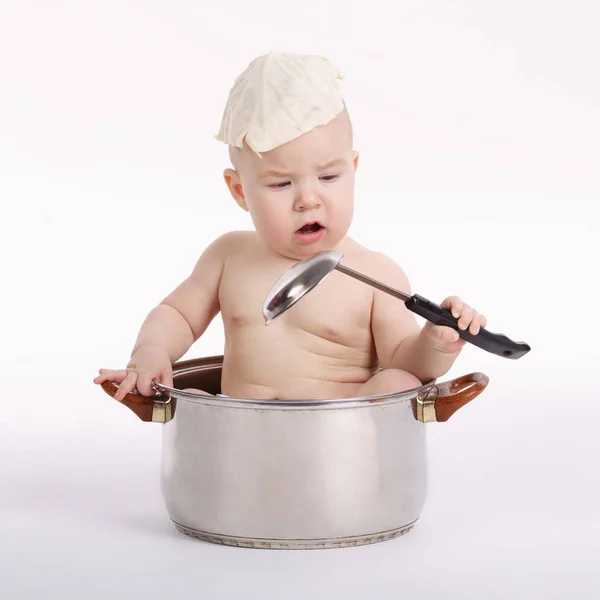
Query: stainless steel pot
{"points": [[294, 474]]}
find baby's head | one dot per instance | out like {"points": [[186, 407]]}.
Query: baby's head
{"points": [[291, 147]]}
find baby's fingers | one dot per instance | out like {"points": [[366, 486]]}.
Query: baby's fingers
{"points": [[448, 339], [110, 375], [144, 384], [125, 379], [454, 304], [466, 317], [447, 334], [478, 321], [127, 385]]}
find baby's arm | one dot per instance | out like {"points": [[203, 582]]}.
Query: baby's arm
{"points": [[428, 352], [174, 325], [185, 314]]}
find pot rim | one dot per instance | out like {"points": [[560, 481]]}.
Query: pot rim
{"points": [[210, 362]]}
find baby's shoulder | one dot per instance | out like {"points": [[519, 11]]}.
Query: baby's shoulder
{"points": [[214, 257], [376, 265], [232, 242], [366, 257]]}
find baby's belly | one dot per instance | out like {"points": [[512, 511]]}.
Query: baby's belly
{"points": [[295, 366]]}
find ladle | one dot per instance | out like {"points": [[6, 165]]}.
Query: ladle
{"points": [[302, 277]]}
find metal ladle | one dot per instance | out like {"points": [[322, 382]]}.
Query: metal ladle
{"points": [[306, 274]]}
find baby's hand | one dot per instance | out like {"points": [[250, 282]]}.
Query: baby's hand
{"points": [[149, 363], [446, 339]]}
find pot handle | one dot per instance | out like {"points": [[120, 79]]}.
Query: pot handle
{"points": [[157, 408], [441, 401]]}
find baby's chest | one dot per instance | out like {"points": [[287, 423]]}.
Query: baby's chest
{"points": [[338, 308]]}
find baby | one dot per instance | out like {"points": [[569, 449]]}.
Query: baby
{"points": [[293, 169]]}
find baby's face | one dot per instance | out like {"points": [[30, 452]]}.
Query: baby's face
{"points": [[300, 195]]}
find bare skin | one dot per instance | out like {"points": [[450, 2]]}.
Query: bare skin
{"points": [[343, 339]]}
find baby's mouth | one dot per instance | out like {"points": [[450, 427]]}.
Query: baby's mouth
{"points": [[310, 228]]}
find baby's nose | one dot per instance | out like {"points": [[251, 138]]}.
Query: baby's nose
{"points": [[307, 199]]}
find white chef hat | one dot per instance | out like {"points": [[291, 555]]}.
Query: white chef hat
{"points": [[279, 97]]}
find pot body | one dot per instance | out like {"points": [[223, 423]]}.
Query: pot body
{"points": [[316, 474]]}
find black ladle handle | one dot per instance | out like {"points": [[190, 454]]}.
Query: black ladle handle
{"points": [[496, 343]]}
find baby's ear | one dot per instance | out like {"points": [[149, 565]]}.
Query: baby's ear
{"points": [[232, 179], [355, 156]]}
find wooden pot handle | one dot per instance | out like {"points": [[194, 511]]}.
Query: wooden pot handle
{"points": [[142, 406], [454, 394]]}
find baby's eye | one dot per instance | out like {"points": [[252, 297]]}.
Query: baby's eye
{"points": [[281, 184], [329, 177]]}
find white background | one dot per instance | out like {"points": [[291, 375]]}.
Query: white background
{"points": [[478, 124]]}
